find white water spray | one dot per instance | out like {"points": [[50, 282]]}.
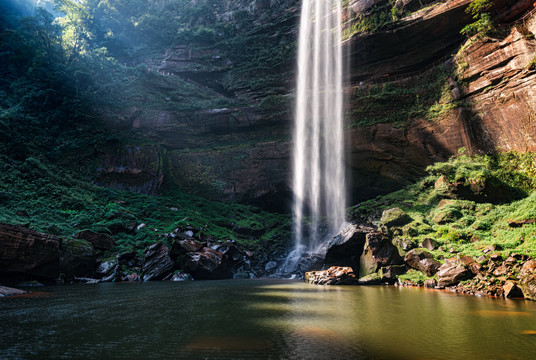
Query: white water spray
{"points": [[318, 163]]}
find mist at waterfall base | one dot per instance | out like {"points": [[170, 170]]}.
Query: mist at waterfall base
{"points": [[318, 159]]}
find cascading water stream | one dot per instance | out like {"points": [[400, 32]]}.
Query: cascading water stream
{"points": [[318, 158]]}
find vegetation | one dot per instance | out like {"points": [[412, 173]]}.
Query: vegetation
{"points": [[459, 224], [483, 23], [61, 78], [51, 199], [427, 96]]}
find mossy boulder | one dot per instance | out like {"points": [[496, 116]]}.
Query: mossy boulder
{"points": [[379, 251], [395, 217], [446, 214], [422, 260], [78, 258]]}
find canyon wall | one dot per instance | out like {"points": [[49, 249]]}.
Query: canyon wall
{"points": [[241, 152]]}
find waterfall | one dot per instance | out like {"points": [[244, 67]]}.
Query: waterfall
{"points": [[318, 158]]}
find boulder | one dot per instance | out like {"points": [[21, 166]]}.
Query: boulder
{"points": [[430, 283], [529, 266], [451, 273], [335, 275], [527, 284], [428, 243], [345, 248], [23, 250], [183, 245], [207, 264], [106, 267], [389, 274], [379, 251], [156, 262], [512, 291], [181, 276], [311, 262], [8, 291], [469, 262], [395, 217], [98, 240], [78, 258], [422, 260], [446, 214], [500, 271]]}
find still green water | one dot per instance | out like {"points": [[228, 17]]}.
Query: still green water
{"points": [[262, 319]]}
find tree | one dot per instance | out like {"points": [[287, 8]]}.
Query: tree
{"points": [[483, 24]]}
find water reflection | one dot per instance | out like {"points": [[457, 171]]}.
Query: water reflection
{"points": [[263, 319]]}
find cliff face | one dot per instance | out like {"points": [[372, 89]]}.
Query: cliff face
{"points": [[241, 152]]}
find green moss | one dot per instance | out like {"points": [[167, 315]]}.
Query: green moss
{"points": [[414, 276], [61, 202], [427, 96]]}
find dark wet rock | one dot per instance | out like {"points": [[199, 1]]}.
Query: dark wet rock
{"points": [[422, 260], [430, 283], [389, 274], [345, 248], [106, 267], [126, 257], [179, 276], [183, 245], [207, 264], [512, 291], [98, 240], [132, 277], [156, 262], [31, 283], [429, 244], [26, 251], [8, 291], [371, 279], [395, 217], [78, 258], [451, 273], [335, 275], [85, 280], [270, 266], [379, 251], [313, 262]]}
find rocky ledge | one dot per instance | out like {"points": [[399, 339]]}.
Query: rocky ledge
{"points": [[379, 258], [88, 257]]}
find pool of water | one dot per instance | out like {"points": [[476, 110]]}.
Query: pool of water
{"points": [[262, 319]]}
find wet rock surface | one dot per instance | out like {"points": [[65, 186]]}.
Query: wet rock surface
{"points": [[345, 247], [335, 275], [25, 251], [8, 291], [422, 260], [156, 262]]}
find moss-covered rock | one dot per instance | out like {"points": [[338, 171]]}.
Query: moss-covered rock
{"points": [[446, 214], [395, 217], [78, 258]]}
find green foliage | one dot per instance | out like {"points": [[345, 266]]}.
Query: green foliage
{"points": [[414, 276], [483, 23], [426, 96], [54, 200], [473, 226]]}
